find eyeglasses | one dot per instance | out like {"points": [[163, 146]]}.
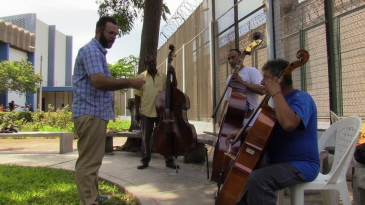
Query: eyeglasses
{"points": [[112, 33]]}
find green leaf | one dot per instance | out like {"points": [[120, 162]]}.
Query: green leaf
{"points": [[18, 76], [125, 12]]}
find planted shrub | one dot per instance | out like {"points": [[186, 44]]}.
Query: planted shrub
{"points": [[54, 120]]}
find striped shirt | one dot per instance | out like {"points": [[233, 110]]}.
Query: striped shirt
{"points": [[87, 100]]}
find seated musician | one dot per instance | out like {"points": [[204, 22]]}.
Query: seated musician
{"points": [[247, 76], [292, 156]]}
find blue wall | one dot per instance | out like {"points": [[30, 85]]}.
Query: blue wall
{"points": [[68, 70], [29, 97], [4, 51], [4, 55], [51, 55]]}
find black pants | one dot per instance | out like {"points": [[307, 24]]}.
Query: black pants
{"points": [[147, 125]]}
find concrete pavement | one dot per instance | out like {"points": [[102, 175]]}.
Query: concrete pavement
{"points": [[154, 185]]}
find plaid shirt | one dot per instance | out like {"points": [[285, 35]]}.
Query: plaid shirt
{"points": [[87, 100]]}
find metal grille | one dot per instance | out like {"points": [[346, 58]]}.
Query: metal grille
{"points": [[192, 45], [350, 59], [246, 27], [19, 22], [302, 26], [344, 6], [316, 73]]}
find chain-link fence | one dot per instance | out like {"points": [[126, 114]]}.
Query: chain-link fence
{"points": [[330, 30]]}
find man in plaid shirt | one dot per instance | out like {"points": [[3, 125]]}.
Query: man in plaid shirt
{"points": [[93, 107]]}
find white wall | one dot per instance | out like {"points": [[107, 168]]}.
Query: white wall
{"points": [[13, 56], [60, 59], [41, 44]]}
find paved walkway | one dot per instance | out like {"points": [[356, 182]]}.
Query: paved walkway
{"points": [[154, 185]]}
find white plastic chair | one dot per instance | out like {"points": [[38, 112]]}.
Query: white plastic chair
{"points": [[332, 195], [347, 133], [333, 117]]}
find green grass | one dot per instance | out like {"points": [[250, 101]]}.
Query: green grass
{"points": [[40, 185]]}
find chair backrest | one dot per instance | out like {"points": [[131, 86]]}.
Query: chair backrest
{"points": [[333, 117], [347, 133]]}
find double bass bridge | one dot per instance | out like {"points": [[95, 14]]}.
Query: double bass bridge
{"points": [[168, 121]]}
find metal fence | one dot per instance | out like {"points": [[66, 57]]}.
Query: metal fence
{"points": [[330, 30], [333, 75]]}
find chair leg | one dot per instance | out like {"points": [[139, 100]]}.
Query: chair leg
{"points": [[280, 197], [344, 192], [296, 196], [330, 197]]}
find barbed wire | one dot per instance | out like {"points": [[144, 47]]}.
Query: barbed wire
{"points": [[182, 13]]}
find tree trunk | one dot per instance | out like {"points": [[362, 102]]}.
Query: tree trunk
{"points": [[150, 31], [132, 144], [149, 44]]}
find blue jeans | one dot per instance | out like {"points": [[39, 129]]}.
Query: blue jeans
{"points": [[263, 182]]}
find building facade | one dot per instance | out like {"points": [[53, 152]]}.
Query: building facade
{"points": [[49, 50]]}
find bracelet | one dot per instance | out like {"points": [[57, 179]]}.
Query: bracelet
{"points": [[276, 93]]}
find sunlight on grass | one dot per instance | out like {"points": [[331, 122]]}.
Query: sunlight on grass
{"points": [[40, 185]]}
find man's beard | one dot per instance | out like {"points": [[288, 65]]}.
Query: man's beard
{"points": [[103, 41]]}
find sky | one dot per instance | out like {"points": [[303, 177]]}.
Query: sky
{"points": [[77, 18]]}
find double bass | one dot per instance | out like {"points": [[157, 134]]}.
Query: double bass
{"points": [[232, 118], [173, 135], [254, 146]]}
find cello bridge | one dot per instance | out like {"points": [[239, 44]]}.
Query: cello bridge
{"points": [[168, 121]]}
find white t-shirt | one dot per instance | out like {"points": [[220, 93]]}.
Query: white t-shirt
{"points": [[250, 75]]}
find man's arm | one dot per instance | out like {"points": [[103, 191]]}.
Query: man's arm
{"points": [[255, 88], [101, 82], [287, 118]]}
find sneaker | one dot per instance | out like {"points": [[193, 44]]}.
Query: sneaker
{"points": [[143, 166], [104, 198]]}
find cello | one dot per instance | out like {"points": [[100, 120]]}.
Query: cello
{"points": [[232, 118], [253, 148], [173, 135]]}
